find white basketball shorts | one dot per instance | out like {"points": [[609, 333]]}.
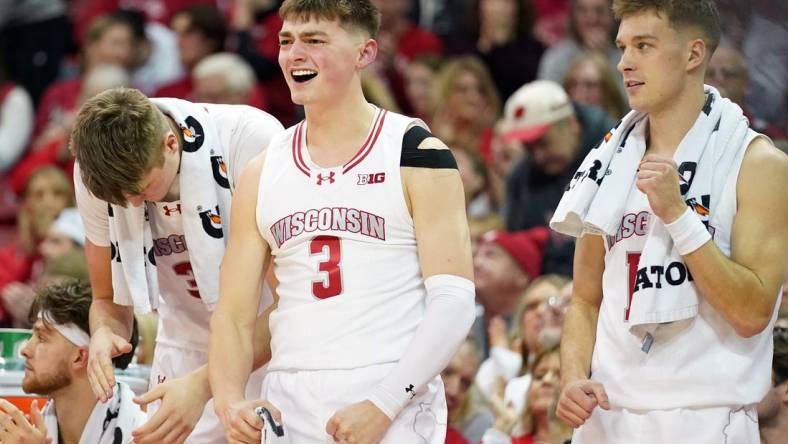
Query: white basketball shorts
{"points": [[717, 425], [308, 399]]}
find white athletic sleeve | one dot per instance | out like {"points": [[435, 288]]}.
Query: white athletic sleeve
{"points": [[448, 317], [252, 136], [93, 211]]}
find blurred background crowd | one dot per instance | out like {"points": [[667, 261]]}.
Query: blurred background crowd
{"points": [[476, 71]]}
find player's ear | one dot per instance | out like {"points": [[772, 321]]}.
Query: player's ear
{"points": [[80, 358], [367, 54], [696, 54]]}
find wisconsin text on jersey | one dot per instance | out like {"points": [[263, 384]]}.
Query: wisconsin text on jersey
{"points": [[329, 219]]}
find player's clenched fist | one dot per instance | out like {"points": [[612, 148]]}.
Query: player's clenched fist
{"points": [[658, 179], [242, 425], [360, 423], [578, 400]]}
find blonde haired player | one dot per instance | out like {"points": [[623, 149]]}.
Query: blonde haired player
{"points": [[361, 212]]}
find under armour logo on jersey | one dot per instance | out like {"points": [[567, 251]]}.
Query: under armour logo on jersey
{"points": [[369, 179], [168, 210], [323, 178], [410, 389]]}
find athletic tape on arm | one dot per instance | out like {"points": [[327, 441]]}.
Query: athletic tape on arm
{"points": [[412, 156]]}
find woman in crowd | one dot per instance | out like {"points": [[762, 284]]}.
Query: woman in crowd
{"points": [[538, 423], [500, 33], [591, 81], [45, 195], [591, 28], [467, 105]]}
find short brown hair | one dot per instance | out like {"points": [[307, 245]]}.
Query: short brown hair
{"points": [[359, 14], [117, 139], [700, 14]]}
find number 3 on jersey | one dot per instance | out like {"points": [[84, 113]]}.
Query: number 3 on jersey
{"points": [[329, 284]]}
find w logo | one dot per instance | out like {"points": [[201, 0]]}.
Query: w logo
{"points": [[220, 171], [212, 222], [323, 178]]}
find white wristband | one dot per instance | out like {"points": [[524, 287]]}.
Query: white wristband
{"points": [[688, 232]]}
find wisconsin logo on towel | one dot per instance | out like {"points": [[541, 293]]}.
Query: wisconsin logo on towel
{"points": [[193, 135], [219, 169], [212, 222]]}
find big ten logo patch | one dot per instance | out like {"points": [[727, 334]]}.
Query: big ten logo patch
{"points": [[371, 178]]}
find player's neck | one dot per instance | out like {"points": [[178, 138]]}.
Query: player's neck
{"points": [[73, 406], [174, 193], [335, 131], [667, 127], [775, 429]]}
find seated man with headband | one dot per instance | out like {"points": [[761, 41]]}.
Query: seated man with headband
{"points": [[56, 360]]}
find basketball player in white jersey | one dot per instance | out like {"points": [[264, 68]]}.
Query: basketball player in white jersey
{"points": [[130, 152], [702, 386], [361, 212]]}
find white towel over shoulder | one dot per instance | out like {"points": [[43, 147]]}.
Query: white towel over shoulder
{"points": [[595, 198], [205, 203], [110, 423]]}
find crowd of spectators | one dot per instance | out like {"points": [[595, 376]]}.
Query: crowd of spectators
{"points": [[520, 90]]}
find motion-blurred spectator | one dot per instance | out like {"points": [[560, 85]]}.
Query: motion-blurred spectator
{"points": [[420, 78], [226, 78], [467, 413], [773, 410], [766, 52], [254, 35], [34, 36], [552, 17], [82, 12], [727, 71], [200, 31], [110, 40], [591, 81], [400, 41], [557, 135], [504, 155], [63, 257], [591, 29], [500, 33], [504, 377], [504, 266], [45, 195], [467, 105], [474, 181], [16, 120]]}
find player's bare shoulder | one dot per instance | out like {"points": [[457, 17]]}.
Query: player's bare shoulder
{"points": [[764, 172]]}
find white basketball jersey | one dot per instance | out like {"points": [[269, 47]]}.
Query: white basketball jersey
{"points": [[244, 132], [705, 364], [350, 290]]}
